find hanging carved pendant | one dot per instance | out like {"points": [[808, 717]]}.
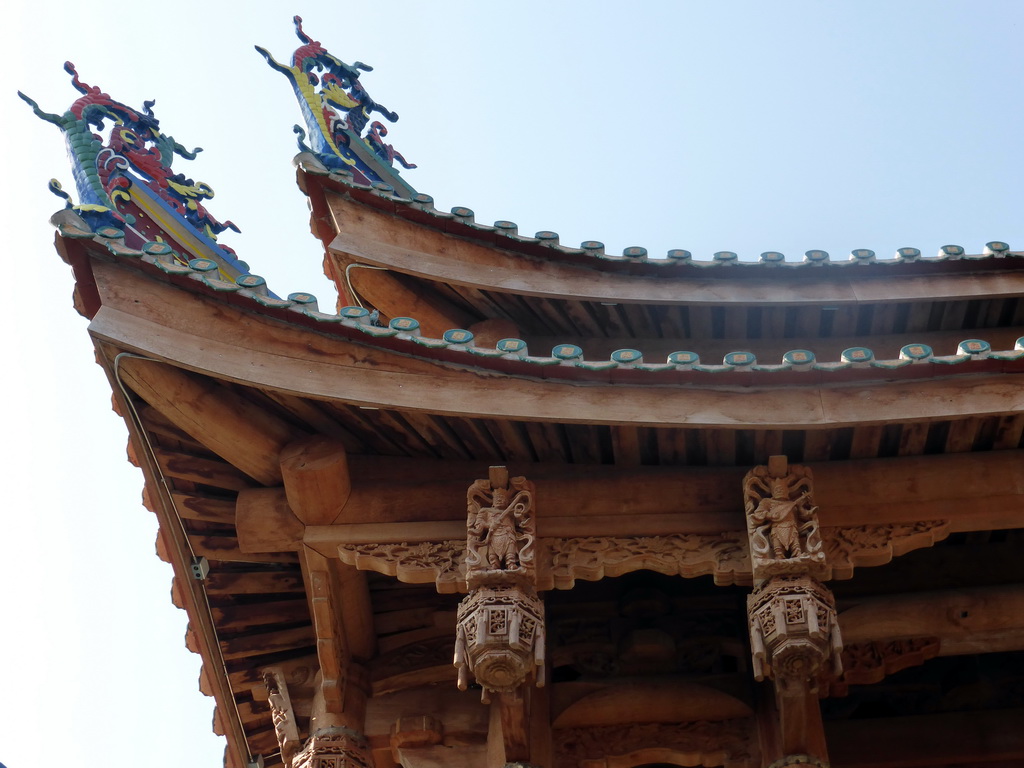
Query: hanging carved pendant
{"points": [[500, 638], [500, 624], [794, 635], [334, 748]]}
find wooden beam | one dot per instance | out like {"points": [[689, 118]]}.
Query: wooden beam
{"points": [[965, 621], [513, 718], [265, 522], [331, 646], [800, 725], [391, 293], [248, 437], [973, 492], [976, 491], [343, 623], [316, 479], [953, 738]]}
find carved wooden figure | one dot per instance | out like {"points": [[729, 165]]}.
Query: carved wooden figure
{"points": [[501, 530], [782, 520]]}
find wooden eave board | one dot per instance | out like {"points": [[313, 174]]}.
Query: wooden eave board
{"points": [[453, 305], [150, 314], [366, 234]]}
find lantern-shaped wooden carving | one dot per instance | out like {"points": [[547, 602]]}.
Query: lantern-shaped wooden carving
{"points": [[500, 638], [794, 635], [334, 747]]}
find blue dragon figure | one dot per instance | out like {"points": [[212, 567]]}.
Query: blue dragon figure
{"points": [[336, 108]]}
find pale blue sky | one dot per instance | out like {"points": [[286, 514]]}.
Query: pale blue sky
{"points": [[742, 126]]}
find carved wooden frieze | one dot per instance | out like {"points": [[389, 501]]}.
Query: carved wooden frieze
{"points": [[727, 743], [794, 635], [870, 662], [282, 714], [560, 562], [782, 520], [335, 747], [443, 562], [867, 545], [808, 761], [590, 558]]}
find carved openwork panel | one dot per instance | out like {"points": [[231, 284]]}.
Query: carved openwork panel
{"points": [[282, 714], [782, 520], [793, 760], [725, 742], [861, 545], [441, 562], [794, 635], [334, 748], [561, 562], [500, 638], [870, 662], [589, 558]]}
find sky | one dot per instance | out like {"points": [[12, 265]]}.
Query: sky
{"points": [[709, 126]]}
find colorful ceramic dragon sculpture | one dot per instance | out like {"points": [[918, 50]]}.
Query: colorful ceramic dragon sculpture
{"points": [[135, 151], [337, 109]]}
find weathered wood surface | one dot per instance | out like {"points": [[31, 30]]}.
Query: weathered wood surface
{"points": [[316, 479], [212, 472], [145, 316], [371, 237], [382, 288], [247, 437], [947, 739], [173, 540], [976, 620]]}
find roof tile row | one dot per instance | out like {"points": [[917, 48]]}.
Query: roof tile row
{"points": [[254, 287], [637, 254]]}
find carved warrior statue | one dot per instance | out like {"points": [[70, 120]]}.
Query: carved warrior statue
{"points": [[500, 624], [500, 526], [782, 520]]}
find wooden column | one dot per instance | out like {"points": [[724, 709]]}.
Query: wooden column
{"points": [[317, 486], [500, 624]]}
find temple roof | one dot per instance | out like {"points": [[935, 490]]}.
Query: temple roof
{"points": [[457, 345], [217, 379]]}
